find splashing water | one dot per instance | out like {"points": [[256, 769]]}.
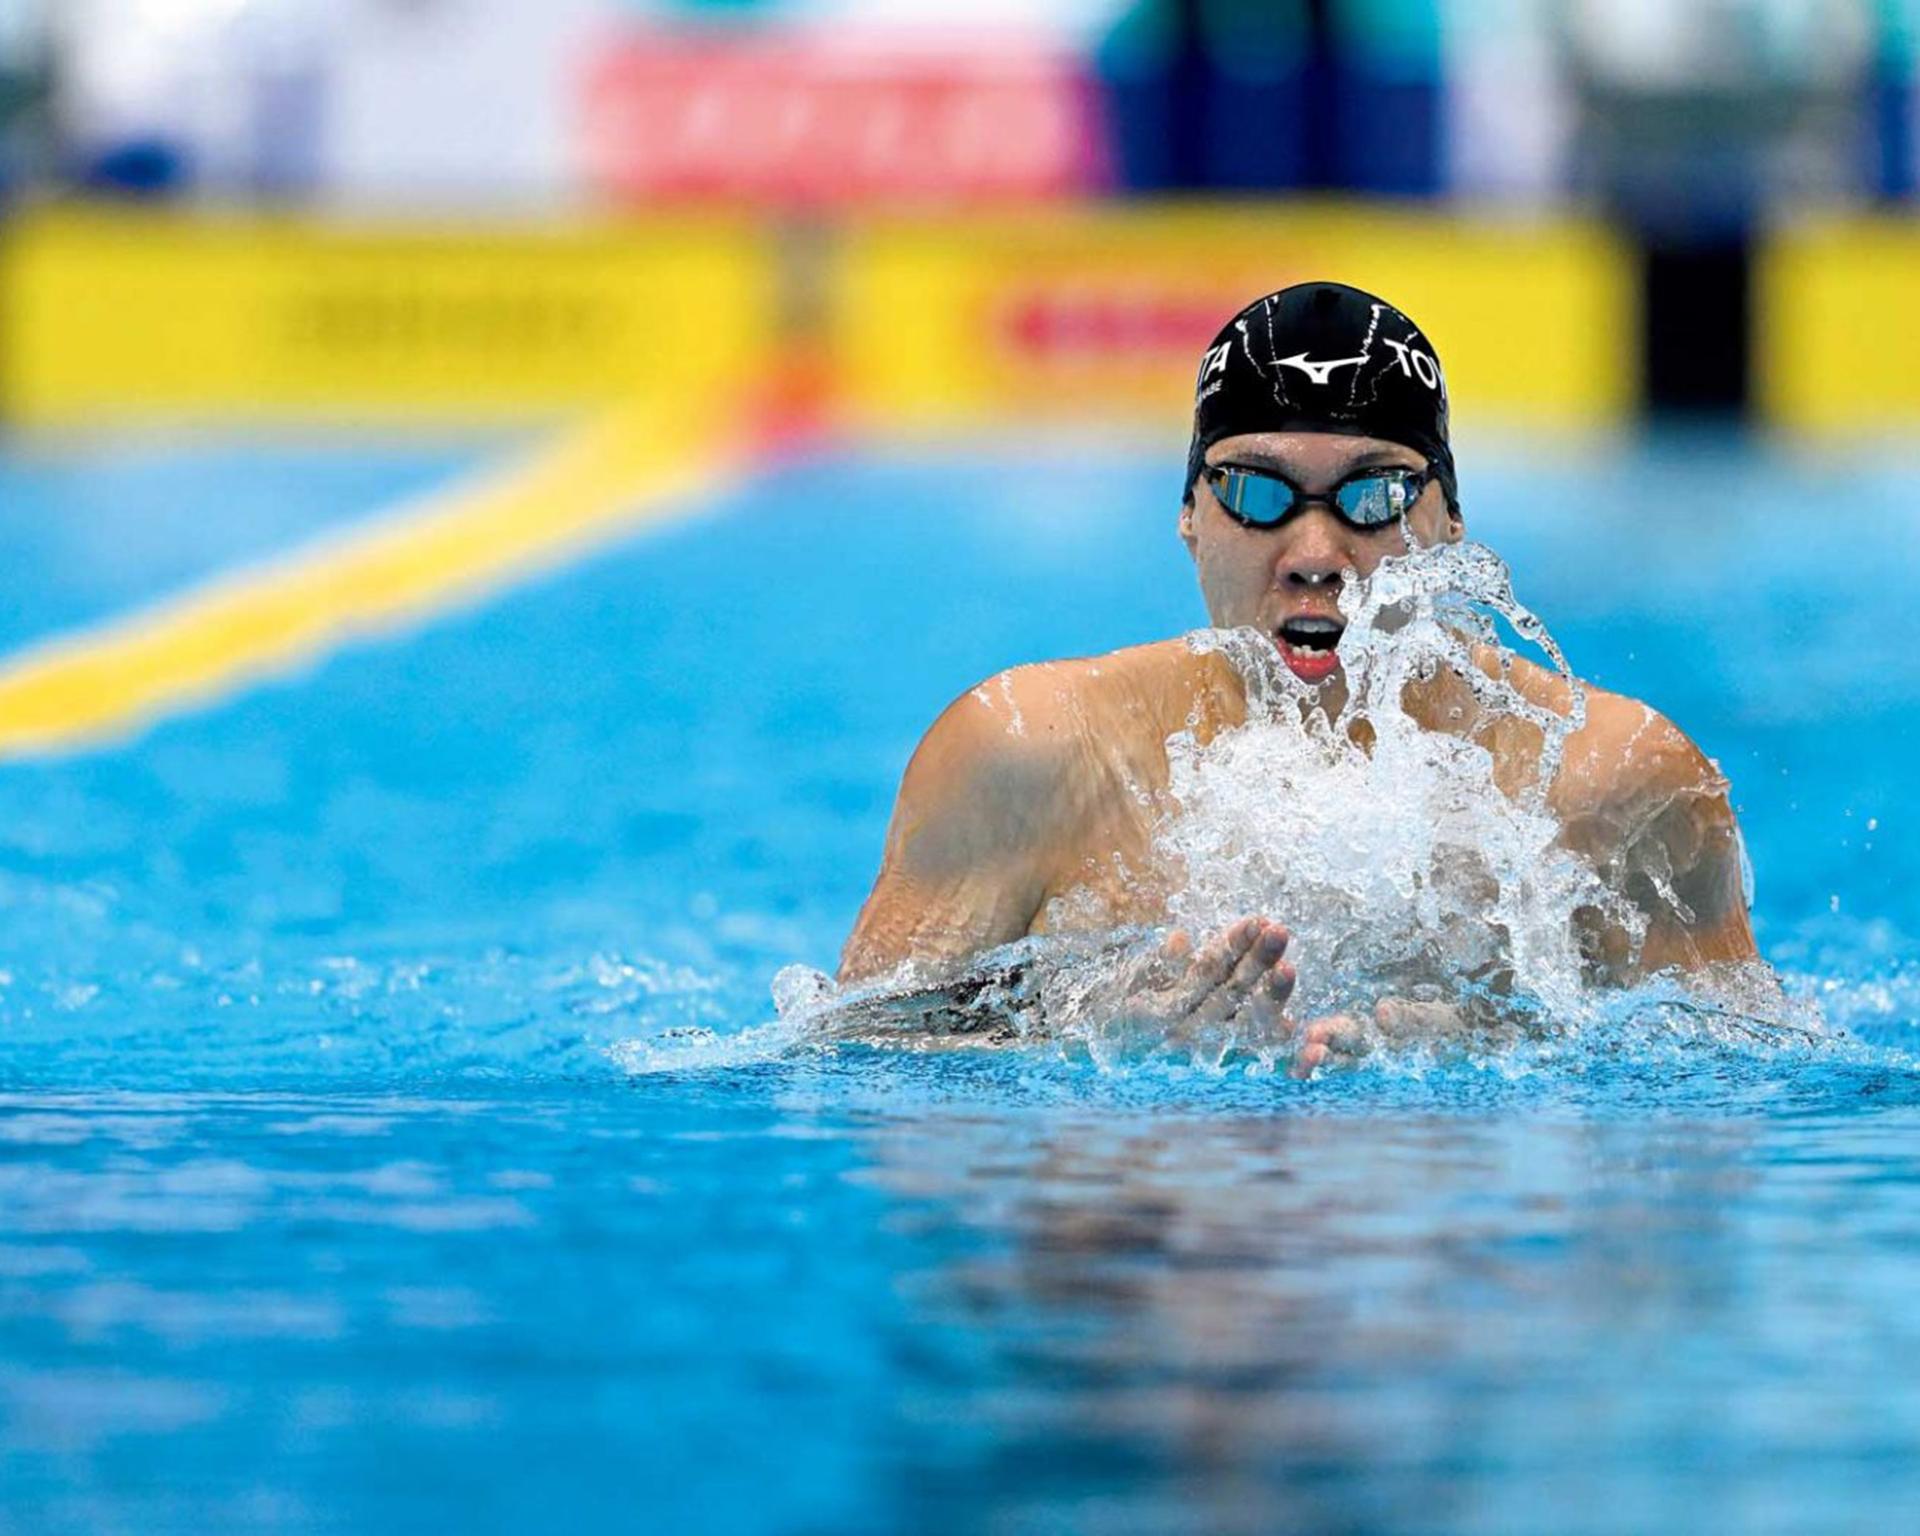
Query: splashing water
{"points": [[1391, 852], [1402, 866]]}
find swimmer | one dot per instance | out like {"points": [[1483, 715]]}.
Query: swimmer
{"points": [[1320, 448]]}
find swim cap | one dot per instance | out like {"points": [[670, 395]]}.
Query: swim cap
{"points": [[1323, 357]]}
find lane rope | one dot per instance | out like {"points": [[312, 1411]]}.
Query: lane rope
{"points": [[597, 482]]}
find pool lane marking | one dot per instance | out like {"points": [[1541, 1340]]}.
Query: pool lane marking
{"points": [[595, 483]]}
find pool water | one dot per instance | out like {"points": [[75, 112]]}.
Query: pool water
{"points": [[333, 1197]]}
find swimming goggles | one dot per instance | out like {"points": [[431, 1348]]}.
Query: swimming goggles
{"points": [[1368, 500]]}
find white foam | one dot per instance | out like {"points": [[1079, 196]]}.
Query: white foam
{"points": [[1400, 862]]}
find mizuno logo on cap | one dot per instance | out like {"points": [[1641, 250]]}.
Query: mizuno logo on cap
{"points": [[1319, 373]]}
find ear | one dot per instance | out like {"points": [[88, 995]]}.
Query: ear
{"points": [[1188, 536], [1456, 525]]}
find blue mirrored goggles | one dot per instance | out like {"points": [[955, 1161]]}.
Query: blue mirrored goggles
{"points": [[1368, 500]]}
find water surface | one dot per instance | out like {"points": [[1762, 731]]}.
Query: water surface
{"points": [[329, 1199]]}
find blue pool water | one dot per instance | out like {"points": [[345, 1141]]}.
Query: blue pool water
{"points": [[330, 1201]]}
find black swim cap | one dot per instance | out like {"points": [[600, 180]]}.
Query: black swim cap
{"points": [[1323, 357]]}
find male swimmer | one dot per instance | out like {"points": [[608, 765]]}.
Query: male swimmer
{"points": [[1320, 447]]}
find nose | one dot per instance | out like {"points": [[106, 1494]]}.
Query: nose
{"points": [[1315, 555]]}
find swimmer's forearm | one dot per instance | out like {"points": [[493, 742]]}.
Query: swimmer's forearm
{"points": [[1022, 990], [985, 1004], [1125, 987]]}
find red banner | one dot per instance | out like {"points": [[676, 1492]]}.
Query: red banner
{"points": [[816, 121], [1088, 321]]}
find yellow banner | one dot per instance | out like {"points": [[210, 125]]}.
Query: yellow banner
{"points": [[1098, 313], [115, 315], [1105, 312], [1838, 326]]}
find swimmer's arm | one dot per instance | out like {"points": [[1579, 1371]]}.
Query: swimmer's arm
{"points": [[1667, 837], [968, 853]]}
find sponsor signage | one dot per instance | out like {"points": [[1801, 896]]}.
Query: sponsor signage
{"points": [[1105, 313], [800, 119], [118, 314]]}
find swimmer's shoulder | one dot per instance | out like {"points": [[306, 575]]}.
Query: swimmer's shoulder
{"points": [[1146, 691], [1631, 756], [1627, 758], [1626, 754], [1640, 799], [1040, 749], [1011, 747], [986, 792]]}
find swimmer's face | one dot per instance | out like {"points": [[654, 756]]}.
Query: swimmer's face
{"points": [[1286, 581]]}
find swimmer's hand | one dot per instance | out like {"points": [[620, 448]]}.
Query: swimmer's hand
{"points": [[1341, 1039], [1234, 993], [1230, 992]]}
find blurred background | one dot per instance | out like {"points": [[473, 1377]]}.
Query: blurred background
{"points": [[953, 211]]}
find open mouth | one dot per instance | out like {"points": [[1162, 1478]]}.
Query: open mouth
{"points": [[1310, 647]]}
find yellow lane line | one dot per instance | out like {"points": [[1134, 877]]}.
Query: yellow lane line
{"points": [[595, 483]]}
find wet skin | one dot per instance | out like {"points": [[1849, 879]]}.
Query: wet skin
{"points": [[1031, 803]]}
